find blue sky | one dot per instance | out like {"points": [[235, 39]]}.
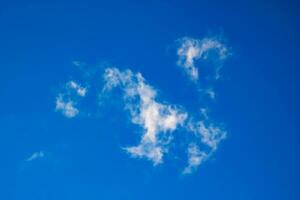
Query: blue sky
{"points": [[99, 100]]}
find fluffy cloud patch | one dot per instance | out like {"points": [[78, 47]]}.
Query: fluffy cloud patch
{"points": [[81, 91], [66, 107], [190, 50], [67, 100], [157, 119]]}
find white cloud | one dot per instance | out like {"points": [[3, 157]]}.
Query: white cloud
{"points": [[195, 158], [36, 155], [154, 117], [149, 150], [211, 93], [67, 100], [191, 49], [81, 91], [210, 134], [78, 63], [66, 107], [158, 119]]}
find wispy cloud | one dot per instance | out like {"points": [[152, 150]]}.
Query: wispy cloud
{"points": [[35, 155], [154, 117], [78, 63], [159, 119], [190, 50], [210, 134], [81, 91], [66, 107], [195, 158], [66, 101]]}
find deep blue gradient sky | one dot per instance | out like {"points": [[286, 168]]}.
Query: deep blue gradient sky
{"points": [[257, 99]]}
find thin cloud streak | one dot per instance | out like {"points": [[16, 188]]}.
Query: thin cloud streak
{"points": [[36, 155]]}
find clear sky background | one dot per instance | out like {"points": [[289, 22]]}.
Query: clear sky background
{"points": [[46, 156]]}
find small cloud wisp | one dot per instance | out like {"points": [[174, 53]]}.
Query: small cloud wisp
{"points": [[190, 50]]}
